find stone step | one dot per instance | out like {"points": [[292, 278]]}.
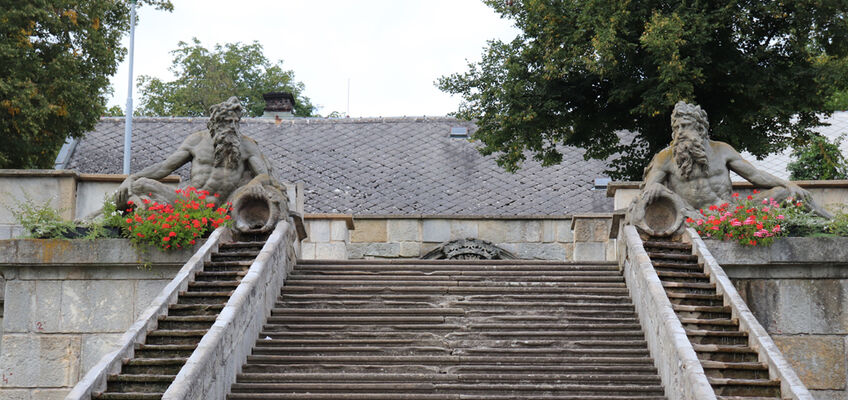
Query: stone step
{"points": [[194, 309], [237, 246], [467, 290], [672, 256], [163, 350], [452, 268], [154, 366], [219, 275], [144, 383], [617, 298], [746, 387], [128, 396], [516, 389], [663, 244], [183, 322], [450, 360], [234, 254], [212, 286], [671, 265], [682, 275], [689, 285], [174, 336], [479, 335], [705, 309], [366, 311], [447, 280], [434, 378], [441, 396], [441, 340], [190, 297], [552, 369], [448, 274]]}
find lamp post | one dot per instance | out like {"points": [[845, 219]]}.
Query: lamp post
{"points": [[129, 110]]}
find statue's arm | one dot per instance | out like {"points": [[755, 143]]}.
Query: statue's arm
{"points": [[745, 169], [157, 171], [656, 176]]}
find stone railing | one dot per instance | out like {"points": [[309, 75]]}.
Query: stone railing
{"points": [[790, 385], [677, 363], [95, 379], [211, 369]]}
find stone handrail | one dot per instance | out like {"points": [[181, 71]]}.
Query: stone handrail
{"points": [[675, 358], [211, 370], [758, 338], [95, 379]]}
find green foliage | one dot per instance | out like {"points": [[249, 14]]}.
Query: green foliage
{"points": [[114, 111], [819, 159], [839, 224], [748, 222], [56, 58], [581, 70], [41, 220], [207, 77]]}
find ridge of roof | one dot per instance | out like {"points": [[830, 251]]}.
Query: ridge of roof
{"points": [[294, 121]]}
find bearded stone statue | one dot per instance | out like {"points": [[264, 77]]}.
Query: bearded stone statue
{"points": [[223, 161], [694, 173]]}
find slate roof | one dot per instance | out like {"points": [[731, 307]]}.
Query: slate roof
{"points": [[373, 166]]}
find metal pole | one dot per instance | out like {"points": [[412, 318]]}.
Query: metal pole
{"points": [[129, 110]]}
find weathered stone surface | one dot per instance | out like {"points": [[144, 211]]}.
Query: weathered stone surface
{"points": [[369, 230], [564, 233], [370, 250], [94, 346], [83, 252], [829, 394], [49, 394], [339, 231], [536, 251], [784, 251], [611, 250], [494, 231], [818, 360], [40, 360], [114, 308], [548, 231], [589, 251], [330, 251], [523, 231], [462, 229], [307, 250], [802, 306], [48, 312], [15, 394], [410, 249], [402, 230], [20, 296], [145, 292], [435, 230], [584, 229], [319, 231]]}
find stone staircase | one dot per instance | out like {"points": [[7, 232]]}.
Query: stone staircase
{"points": [[160, 358], [731, 365], [451, 330]]}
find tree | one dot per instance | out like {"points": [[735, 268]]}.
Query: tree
{"points": [[208, 77], [56, 58], [581, 71], [819, 159]]}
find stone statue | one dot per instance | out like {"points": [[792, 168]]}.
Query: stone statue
{"points": [[694, 173], [223, 161]]}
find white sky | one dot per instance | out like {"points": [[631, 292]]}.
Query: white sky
{"points": [[391, 50]]}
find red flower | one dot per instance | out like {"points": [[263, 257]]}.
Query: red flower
{"points": [[166, 238], [191, 241], [210, 205], [750, 197], [172, 234], [129, 202]]}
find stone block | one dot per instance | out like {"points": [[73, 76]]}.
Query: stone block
{"points": [[829, 394], [563, 231], [612, 254], [20, 304], [319, 231], [145, 292], [114, 309], [48, 312], [818, 360], [381, 250], [427, 247], [307, 251], [95, 346], [15, 394], [369, 230], [410, 249], [601, 229], [435, 230], [356, 251], [494, 231], [589, 251], [40, 360], [591, 229], [338, 231], [50, 394], [402, 230], [330, 251], [549, 231], [536, 251], [463, 229]]}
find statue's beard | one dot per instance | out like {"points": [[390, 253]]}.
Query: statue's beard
{"points": [[689, 153], [227, 148]]}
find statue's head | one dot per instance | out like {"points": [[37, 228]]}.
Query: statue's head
{"points": [[224, 127], [690, 136]]}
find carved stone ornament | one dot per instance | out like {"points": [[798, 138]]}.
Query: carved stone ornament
{"points": [[468, 249]]}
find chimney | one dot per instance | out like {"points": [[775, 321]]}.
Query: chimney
{"points": [[278, 105]]}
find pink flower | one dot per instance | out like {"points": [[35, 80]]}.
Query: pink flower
{"points": [[735, 222], [779, 217]]}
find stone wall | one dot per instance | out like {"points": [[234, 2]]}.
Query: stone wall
{"points": [[67, 304], [579, 237], [798, 290]]}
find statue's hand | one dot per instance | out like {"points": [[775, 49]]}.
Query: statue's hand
{"points": [[652, 192], [796, 192], [122, 195]]}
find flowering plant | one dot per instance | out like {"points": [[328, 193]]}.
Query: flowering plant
{"points": [[749, 222], [178, 225]]}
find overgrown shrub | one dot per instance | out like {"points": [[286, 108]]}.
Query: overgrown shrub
{"points": [[820, 159]]}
